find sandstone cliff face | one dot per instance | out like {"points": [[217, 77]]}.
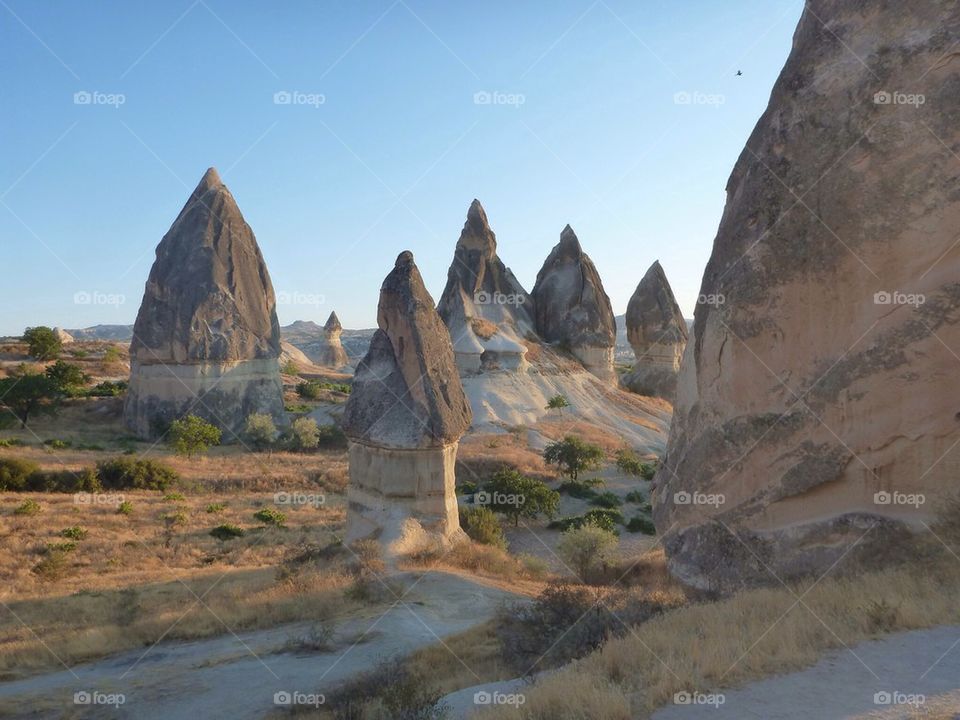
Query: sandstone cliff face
{"points": [[405, 416], [657, 332], [571, 307], [206, 339], [485, 308], [330, 352], [813, 397]]}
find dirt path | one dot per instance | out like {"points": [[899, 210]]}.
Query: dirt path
{"points": [[238, 677], [884, 678]]}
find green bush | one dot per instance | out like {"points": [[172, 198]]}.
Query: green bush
{"points": [[192, 435], [642, 525], [174, 497], [304, 434], [107, 389], [74, 532], [599, 517], [14, 473], [332, 437], [216, 508], [27, 508], [42, 342], [67, 378], [581, 489], [270, 516], [65, 481], [572, 456], [309, 390], [260, 432], [635, 496], [516, 496], [12, 442], [607, 500], [128, 473], [586, 547], [227, 532], [481, 525], [58, 444], [125, 508]]}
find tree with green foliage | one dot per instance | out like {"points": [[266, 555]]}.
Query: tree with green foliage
{"points": [[43, 343], [572, 456], [193, 435], [558, 403], [628, 462], [481, 525], [67, 377], [514, 495], [260, 432], [304, 434], [586, 547], [29, 394]]}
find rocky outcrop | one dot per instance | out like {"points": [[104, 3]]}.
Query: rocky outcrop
{"points": [[814, 418], [329, 351], [206, 340], [63, 336], [657, 333], [571, 308], [485, 308], [292, 355], [404, 419]]}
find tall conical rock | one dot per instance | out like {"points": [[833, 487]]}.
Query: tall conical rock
{"points": [[330, 351], [815, 419], [206, 339], [657, 332], [404, 419], [485, 308], [571, 308]]}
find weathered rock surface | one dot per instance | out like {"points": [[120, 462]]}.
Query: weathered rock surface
{"points": [[330, 351], [813, 397], [571, 308], [485, 308], [206, 340], [64, 337], [404, 419], [657, 332]]}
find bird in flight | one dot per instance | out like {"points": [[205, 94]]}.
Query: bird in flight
{"points": [[739, 72]]}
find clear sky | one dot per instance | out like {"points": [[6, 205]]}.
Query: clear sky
{"points": [[383, 145]]}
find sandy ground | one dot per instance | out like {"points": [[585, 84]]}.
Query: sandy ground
{"points": [[238, 676], [904, 675]]}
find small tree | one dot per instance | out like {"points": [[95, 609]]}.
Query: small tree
{"points": [[260, 432], [586, 547], [558, 403], [193, 435], [516, 496], [572, 456], [29, 394], [304, 434], [482, 526], [43, 343], [67, 378]]}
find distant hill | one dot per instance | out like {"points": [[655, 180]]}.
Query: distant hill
{"points": [[116, 333]]}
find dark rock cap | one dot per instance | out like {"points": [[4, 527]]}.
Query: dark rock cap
{"points": [[653, 315], [333, 323]]}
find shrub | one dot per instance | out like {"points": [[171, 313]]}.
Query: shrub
{"points": [[482, 525], [317, 638], [635, 496], [607, 500], [174, 497], [309, 390], [12, 442], [67, 378], [174, 519], [390, 690], [304, 434], [227, 531], [216, 508], [128, 473], [14, 473], [260, 431], [586, 547], [572, 456], [111, 355], [558, 403], [581, 489], [42, 343], [290, 368], [331, 436], [74, 532], [27, 394], [64, 481], [270, 516], [107, 389], [516, 496], [125, 508], [53, 566], [599, 517], [27, 508], [641, 524], [193, 435]]}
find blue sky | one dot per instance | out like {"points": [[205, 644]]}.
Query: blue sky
{"points": [[584, 127]]}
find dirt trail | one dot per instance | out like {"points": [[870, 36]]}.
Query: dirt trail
{"points": [[238, 677], [877, 679]]}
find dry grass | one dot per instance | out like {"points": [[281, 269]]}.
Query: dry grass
{"points": [[557, 429], [482, 454], [750, 635], [483, 328], [483, 563]]}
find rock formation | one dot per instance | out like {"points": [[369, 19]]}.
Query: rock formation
{"points": [[404, 419], [63, 336], [206, 340], [814, 418], [572, 309], [485, 308], [657, 333], [292, 354], [329, 351]]}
